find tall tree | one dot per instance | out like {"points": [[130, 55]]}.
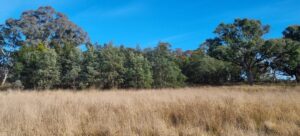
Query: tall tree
{"points": [[284, 56], [43, 25], [166, 73], [10, 38], [285, 53], [293, 33], [47, 26], [240, 43], [5, 59]]}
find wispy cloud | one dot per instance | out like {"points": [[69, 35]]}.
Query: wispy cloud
{"points": [[130, 9], [97, 12]]}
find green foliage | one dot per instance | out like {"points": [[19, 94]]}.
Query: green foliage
{"points": [[69, 61], [39, 51], [138, 70], [111, 67], [285, 55], [90, 72], [46, 26], [292, 32], [203, 69], [36, 67], [166, 73], [240, 43]]}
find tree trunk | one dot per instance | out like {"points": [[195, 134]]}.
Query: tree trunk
{"points": [[4, 78], [274, 76], [250, 77]]}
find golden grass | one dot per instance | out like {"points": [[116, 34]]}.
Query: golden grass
{"points": [[224, 111]]}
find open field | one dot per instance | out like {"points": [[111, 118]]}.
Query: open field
{"points": [[236, 110]]}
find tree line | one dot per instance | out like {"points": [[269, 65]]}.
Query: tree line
{"points": [[40, 50]]}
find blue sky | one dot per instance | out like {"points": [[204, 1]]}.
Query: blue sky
{"points": [[183, 23]]}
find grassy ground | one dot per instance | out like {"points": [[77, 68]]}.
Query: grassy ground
{"points": [[224, 111]]}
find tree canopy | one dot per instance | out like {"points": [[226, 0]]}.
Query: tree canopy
{"points": [[240, 43], [42, 50], [47, 26]]}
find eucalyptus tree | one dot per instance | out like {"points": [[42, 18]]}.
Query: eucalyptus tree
{"points": [[292, 32], [285, 52], [44, 25], [240, 43], [47, 26], [285, 56], [10, 39]]}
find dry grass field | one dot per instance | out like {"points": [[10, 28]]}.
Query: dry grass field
{"points": [[205, 111]]}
